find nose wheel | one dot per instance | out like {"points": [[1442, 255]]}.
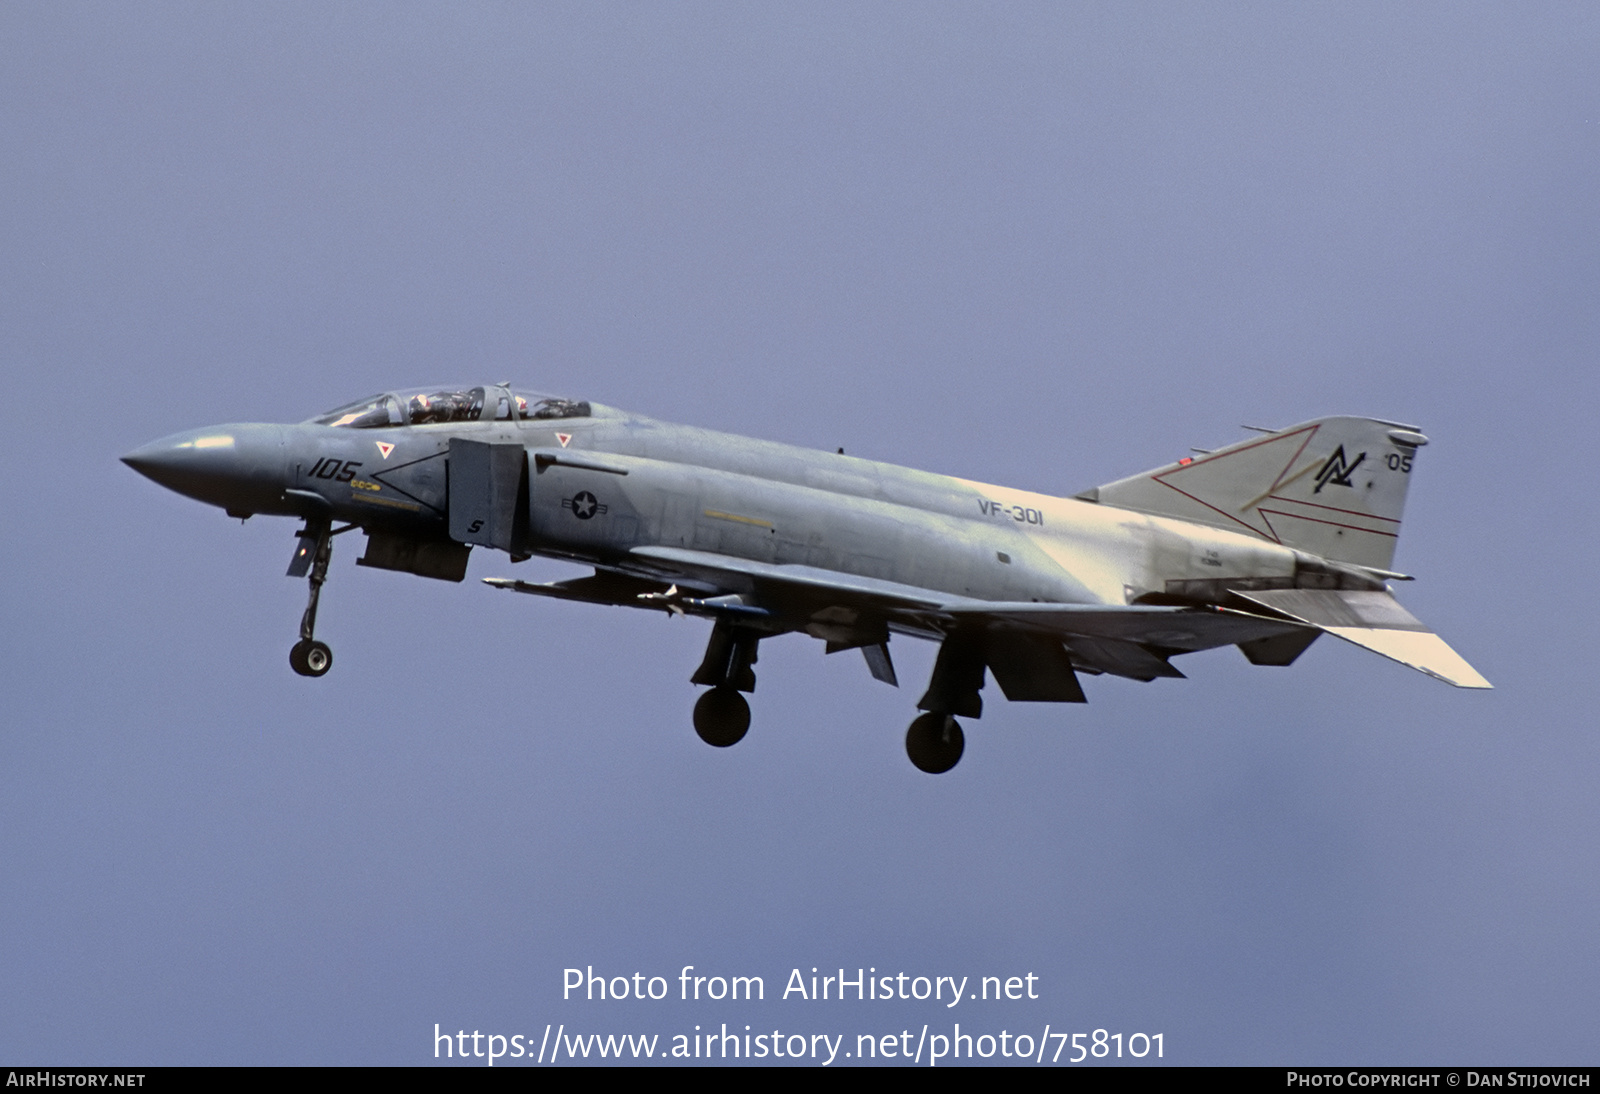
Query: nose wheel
{"points": [[309, 657]]}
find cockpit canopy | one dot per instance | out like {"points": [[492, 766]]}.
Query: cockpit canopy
{"points": [[432, 406]]}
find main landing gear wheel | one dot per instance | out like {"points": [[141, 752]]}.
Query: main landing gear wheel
{"points": [[935, 742], [721, 717], [309, 657]]}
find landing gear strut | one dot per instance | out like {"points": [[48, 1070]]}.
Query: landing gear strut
{"points": [[935, 742], [309, 657], [721, 715]]}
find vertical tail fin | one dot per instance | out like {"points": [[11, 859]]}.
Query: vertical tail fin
{"points": [[1334, 487]]}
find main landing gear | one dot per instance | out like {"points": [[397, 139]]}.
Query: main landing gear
{"points": [[935, 743], [721, 715], [308, 657]]}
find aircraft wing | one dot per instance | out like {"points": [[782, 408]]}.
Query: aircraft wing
{"points": [[705, 583], [1125, 640], [1133, 640], [745, 576], [1172, 628]]}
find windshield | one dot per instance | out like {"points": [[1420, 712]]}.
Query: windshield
{"points": [[373, 412], [433, 406]]}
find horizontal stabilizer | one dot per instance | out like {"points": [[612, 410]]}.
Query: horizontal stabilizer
{"points": [[1374, 621]]}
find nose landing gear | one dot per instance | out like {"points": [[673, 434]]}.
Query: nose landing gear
{"points": [[308, 657]]}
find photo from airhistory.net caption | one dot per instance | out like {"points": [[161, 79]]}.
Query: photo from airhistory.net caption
{"points": [[742, 1025], [831, 1017]]}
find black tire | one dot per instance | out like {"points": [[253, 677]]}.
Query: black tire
{"points": [[310, 658], [721, 717], [935, 743]]}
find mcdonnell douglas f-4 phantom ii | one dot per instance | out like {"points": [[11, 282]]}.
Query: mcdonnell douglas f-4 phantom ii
{"points": [[1266, 544]]}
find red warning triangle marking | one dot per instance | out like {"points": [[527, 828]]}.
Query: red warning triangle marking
{"points": [[563, 438], [385, 448]]}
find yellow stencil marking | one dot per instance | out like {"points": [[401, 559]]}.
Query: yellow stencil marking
{"points": [[719, 515]]}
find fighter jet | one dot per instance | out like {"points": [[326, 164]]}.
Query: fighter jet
{"points": [[1265, 544]]}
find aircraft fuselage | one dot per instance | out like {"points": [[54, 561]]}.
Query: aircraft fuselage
{"points": [[702, 490], [1264, 544]]}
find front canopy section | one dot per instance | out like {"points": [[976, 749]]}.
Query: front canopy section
{"points": [[446, 405], [373, 412]]}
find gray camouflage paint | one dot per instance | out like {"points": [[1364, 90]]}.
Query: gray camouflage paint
{"points": [[623, 493]]}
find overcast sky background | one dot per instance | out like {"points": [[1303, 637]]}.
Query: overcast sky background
{"points": [[1045, 246]]}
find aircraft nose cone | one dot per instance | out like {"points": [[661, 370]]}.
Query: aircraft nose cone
{"points": [[239, 467], [160, 461], [186, 460]]}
